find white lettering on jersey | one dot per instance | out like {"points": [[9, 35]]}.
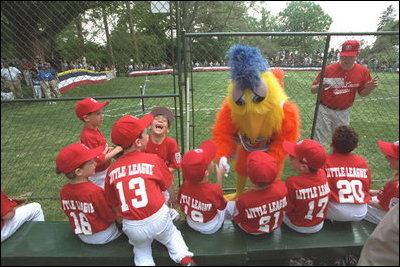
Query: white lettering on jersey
{"points": [[313, 192], [198, 205], [262, 210], [133, 169], [185, 199], [338, 172], [86, 207]]}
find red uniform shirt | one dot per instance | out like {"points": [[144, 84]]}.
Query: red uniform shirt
{"points": [[86, 208], [308, 195], [349, 178], [134, 183], [262, 211], [168, 150], [92, 139], [388, 195], [340, 86], [7, 205], [200, 201]]}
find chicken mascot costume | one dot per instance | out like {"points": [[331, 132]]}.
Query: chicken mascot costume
{"points": [[255, 115]]}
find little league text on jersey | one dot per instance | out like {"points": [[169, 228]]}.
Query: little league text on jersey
{"points": [[85, 207], [195, 204], [133, 169], [313, 192], [266, 208], [346, 172]]}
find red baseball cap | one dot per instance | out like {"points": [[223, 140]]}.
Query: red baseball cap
{"points": [[261, 167], [390, 149], [350, 48], [88, 105], [74, 155], [195, 162], [128, 128], [308, 151]]}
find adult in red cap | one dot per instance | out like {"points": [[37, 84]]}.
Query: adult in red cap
{"points": [[260, 210], [308, 191], [341, 82], [133, 187], [90, 112], [386, 197], [84, 203], [201, 201]]}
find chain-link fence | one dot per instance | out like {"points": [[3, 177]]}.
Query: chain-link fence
{"points": [[374, 117], [132, 54]]}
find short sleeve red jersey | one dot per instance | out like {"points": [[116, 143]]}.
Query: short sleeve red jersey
{"points": [[388, 195], [7, 205], [168, 150], [349, 178], [94, 138], [308, 195], [262, 211], [200, 201], [340, 86], [134, 183], [86, 208]]}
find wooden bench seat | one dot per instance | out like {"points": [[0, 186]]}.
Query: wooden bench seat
{"points": [[53, 243]]}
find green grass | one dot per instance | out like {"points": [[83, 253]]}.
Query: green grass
{"points": [[33, 133]]}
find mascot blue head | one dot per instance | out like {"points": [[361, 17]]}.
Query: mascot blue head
{"points": [[246, 64]]}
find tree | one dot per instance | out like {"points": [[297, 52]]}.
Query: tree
{"points": [[303, 16], [387, 17], [31, 27]]}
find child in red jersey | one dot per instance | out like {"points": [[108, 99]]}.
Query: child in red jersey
{"points": [[388, 196], [14, 213], [91, 113], [260, 210], [349, 177], [308, 192], [83, 202], [166, 148], [202, 202], [134, 185]]}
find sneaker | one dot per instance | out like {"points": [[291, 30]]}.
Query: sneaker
{"points": [[174, 214], [188, 261]]}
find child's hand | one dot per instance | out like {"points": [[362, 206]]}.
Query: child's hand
{"points": [[223, 162]]}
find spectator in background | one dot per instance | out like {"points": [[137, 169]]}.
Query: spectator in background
{"points": [[11, 76], [26, 67], [49, 81], [341, 82]]}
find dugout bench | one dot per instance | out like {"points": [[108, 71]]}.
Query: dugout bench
{"points": [[53, 243]]}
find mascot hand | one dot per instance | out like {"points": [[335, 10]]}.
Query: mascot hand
{"points": [[223, 162]]}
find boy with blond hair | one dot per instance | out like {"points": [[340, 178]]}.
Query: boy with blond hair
{"points": [[91, 113], [201, 201]]}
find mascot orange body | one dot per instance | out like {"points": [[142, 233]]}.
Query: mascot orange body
{"points": [[255, 115]]}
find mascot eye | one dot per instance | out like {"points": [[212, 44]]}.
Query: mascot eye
{"points": [[240, 102], [257, 99]]}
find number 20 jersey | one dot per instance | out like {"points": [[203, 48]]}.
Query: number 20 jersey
{"points": [[349, 178]]}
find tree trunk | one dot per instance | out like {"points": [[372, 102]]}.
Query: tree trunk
{"points": [[135, 52], [108, 39]]}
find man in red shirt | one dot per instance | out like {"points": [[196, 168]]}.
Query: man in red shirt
{"points": [[341, 82]]}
